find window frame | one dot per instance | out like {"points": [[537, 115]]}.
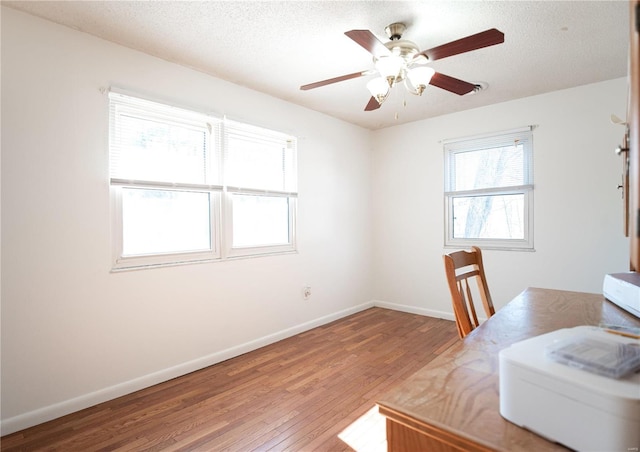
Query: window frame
{"points": [[239, 131], [220, 196], [245, 251], [125, 262], [477, 143]]}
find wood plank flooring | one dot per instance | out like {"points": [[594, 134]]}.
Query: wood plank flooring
{"points": [[313, 391]]}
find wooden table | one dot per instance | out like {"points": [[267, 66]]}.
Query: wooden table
{"points": [[453, 402]]}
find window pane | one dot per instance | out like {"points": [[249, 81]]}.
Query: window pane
{"points": [[260, 220], [488, 217], [157, 150], [164, 221], [255, 163], [486, 168]]}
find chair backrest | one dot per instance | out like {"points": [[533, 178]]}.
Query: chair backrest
{"points": [[461, 267]]}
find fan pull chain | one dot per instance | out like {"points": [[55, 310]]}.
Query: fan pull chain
{"points": [[404, 105]]}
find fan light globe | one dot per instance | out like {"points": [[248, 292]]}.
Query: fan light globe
{"points": [[390, 67], [379, 88], [420, 77]]}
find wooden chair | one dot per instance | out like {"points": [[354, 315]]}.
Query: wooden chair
{"points": [[461, 267]]}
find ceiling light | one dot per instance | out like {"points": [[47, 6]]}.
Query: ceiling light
{"points": [[404, 64], [394, 69], [400, 60], [379, 88], [390, 67], [420, 78]]}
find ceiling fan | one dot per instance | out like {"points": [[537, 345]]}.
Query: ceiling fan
{"points": [[401, 60]]}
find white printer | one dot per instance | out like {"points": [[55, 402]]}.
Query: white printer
{"points": [[565, 403], [623, 289]]}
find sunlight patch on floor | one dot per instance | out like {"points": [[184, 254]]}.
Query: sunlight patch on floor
{"points": [[368, 433]]}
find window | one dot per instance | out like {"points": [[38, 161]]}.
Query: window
{"points": [[190, 187], [259, 172], [489, 191]]}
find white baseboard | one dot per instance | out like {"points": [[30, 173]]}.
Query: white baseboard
{"points": [[414, 310], [35, 417]]}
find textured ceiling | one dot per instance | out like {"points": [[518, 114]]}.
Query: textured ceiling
{"points": [[274, 47]]}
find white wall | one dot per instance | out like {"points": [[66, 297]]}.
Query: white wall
{"points": [[577, 207], [73, 333]]}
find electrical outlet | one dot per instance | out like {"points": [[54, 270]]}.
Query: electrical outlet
{"points": [[306, 292]]}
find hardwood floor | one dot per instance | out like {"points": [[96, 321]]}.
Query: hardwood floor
{"points": [[314, 391]]}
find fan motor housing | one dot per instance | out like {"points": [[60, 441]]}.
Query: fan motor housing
{"points": [[405, 49]]}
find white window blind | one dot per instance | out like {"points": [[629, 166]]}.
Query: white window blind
{"points": [[162, 145], [259, 159], [489, 163]]}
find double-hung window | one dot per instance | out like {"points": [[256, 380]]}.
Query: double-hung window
{"points": [[489, 191], [260, 189], [190, 187]]}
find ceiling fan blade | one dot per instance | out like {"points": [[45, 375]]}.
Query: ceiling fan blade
{"points": [[451, 84], [369, 42], [474, 42], [372, 105], [333, 80]]}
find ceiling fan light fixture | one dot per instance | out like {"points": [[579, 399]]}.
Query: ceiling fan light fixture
{"points": [[379, 88], [397, 59], [420, 78]]}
